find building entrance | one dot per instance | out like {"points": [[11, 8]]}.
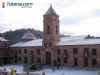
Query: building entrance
{"points": [[85, 62], [75, 61], [48, 58]]}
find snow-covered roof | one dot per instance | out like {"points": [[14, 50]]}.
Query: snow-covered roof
{"points": [[2, 39], [50, 11], [37, 42], [78, 40], [28, 35], [73, 40]]}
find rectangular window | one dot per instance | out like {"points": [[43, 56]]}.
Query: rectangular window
{"points": [[12, 58], [94, 51], [38, 60], [19, 51], [94, 61], [75, 50], [48, 29], [38, 51], [56, 29], [65, 53], [65, 50], [12, 51], [15, 59], [15, 52], [65, 60], [45, 45], [31, 52], [50, 44], [86, 51], [25, 59], [58, 51], [25, 50], [59, 60], [19, 58]]}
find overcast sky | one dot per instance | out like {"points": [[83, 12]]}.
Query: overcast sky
{"points": [[79, 17]]}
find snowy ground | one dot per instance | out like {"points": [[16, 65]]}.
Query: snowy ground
{"points": [[60, 71], [70, 71]]}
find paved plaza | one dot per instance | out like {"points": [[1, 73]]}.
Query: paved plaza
{"points": [[51, 71]]}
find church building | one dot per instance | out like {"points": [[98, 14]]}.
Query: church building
{"points": [[81, 51]]}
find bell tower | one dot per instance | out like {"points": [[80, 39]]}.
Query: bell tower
{"points": [[50, 28]]}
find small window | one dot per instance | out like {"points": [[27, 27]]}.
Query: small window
{"points": [[31, 52], [48, 29], [94, 61], [15, 52], [86, 51], [12, 58], [58, 51], [38, 60], [94, 51], [45, 44], [56, 29], [38, 51], [59, 60], [65, 53], [12, 51], [25, 59], [19, 51], [50, 44], [75, 50], [15, 59], [65, 60], [19, 58], [25, 50], [65, 50]]}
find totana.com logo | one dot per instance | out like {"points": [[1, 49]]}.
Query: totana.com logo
{"points": [[12, 4], [22, 5]]}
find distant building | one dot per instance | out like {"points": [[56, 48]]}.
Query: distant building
{"points": [[67, 51], [4, 44]]}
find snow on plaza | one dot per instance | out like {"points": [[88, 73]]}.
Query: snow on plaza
{"points": [[60, 71]]}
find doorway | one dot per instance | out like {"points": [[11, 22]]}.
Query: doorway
{"points": [[75, 61], [85, 62], [48, 58]]}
